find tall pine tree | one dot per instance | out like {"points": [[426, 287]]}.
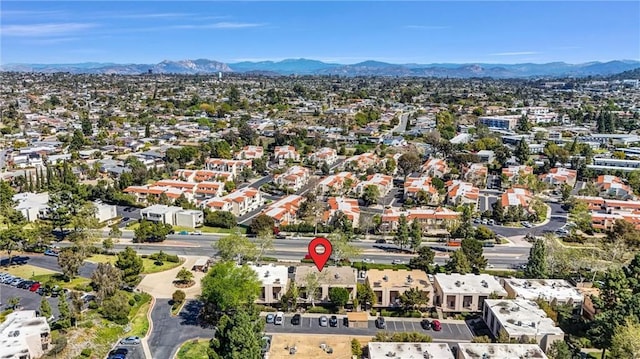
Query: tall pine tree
{"points": [[537, 263]]}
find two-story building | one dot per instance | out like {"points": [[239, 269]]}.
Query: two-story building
{"points": [[462, 193], [340, 183], [429, 218], [173, 215], [283, 153], [224, 165], [285, 210], [435, 167], [559, 176], [250, 153], [421, 187], [294, 177], [388, 285], [330, 277], [324, 155], [23, 335], [383, 182], [274, 280], [456, 293], [239, 202], [347, 206]]}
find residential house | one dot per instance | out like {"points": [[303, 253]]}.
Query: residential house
{"points": [[362, 162], [383, 182], [33, 206], [206, 189], [105, 213], [285, 210], [347, 206], [559, 176], [522, 320], [340, 183], [462, 193], [250, 153], [486, 156], [203, 175], [613, 187], [397, 350], [24, 335], [513, 173], [421, 187], [499, 351], [274, 280], [324, 155], [553, 291], [330, 277], [435, 167], [429, 218], [173, 215], [294, 178], [144, 194], [456, 293], [239, 202], [232, 166], [283, 153], [388, 285], [516, 197], [477, 174]]}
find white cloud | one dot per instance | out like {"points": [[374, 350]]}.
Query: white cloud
{"points": [[515, 53], [43, 30], [220, 25]]}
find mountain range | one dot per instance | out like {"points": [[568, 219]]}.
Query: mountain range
{"points": [[366, 68]]}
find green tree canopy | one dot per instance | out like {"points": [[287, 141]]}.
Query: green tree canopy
{"points": [[228, 286], [339, 296], [424, 260], [131, 265], [238, 336], [537, 263], [262, 223], [235, 246]]}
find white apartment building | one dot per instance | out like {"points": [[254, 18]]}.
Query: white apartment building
{"points": [[249, 153], [557, 291], [284, 153], [522, 320], [294, 177], [393, 350], [173, 215], [499, 351], [383, 182], [274, 280], [23, 335], [465, 292], [340, 183], [33, 206], [324, 155], [239, 202]]}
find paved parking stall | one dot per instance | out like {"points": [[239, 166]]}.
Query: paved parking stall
{"points": [[134, 351], [28, 300]]}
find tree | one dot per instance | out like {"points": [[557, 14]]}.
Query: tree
{"points": [[626, 232], [356, 348], [559, 350], [523, 124], [401, 238], [184, 275], [261, 223], [222, 219], [238, 336], [64, 319], [6, 195], [339, 296], [70, 260], [106, 280], [537, 262], [581, 216], [414, 298], [290, 299], [116, 308], [409, 162], [149, 231], [77, 305], [416, 235], [131, 266], [424, 260], [458, 263], [341, 247], [626, 340], [311, 286], [371, 194], [522, 151], [178, 297], [115, 232], [11, 240], [472, 249], [235, 246], [365, 295], [227, 286], [107, 244], [264, 243], [13, 302], [45, 308]]}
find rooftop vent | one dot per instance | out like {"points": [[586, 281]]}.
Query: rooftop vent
{"points": [[337, 275], [266, 274], [385, 278], [458, 283], [409, 279], [484, 283], [533, 324], [519, 323], [277, 280]]}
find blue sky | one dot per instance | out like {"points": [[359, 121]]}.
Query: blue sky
{"points": [[343, 32]]}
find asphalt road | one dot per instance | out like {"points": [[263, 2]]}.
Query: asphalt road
{"points": [[170, 332], [28, 300], [51, 263], [310, 325], [134, 351]]}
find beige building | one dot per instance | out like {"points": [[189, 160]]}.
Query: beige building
{"points": [[391, 350], [499, 351], [330, 277], [465, 292], [274, 280], [23, 335], [522, 320], [388, 285]]}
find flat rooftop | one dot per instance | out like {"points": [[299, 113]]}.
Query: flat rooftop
{"points": [[389, 278], [499, 351], [392, 350], [328, 276], [547, 289], [522, 317], [482, 284], [272, 274]]}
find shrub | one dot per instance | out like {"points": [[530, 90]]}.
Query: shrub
{"points": [[178, 297], [319, 310], [132, 302], [265, 308], [86, 352], [144, 256], [58, 345], [137, 297], [93, 305]]}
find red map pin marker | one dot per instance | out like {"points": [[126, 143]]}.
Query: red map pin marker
{"points": [[320, 259]]}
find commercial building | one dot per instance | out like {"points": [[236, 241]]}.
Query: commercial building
{"points": [[556, 291], [465, 292], [522, 320], [33, 206], [330, 277], [388, 285], [23, 335], [274, 281], [173, 215], [500, 122], [105, 212], [393, 350], [499, 351]]}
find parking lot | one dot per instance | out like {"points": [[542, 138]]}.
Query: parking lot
{"points": [[134, 351], [28, 300], [310, 325]]}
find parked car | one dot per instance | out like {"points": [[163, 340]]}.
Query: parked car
{"points": [[184, 233], [488, 244], [297, 318], [333, 321], [380, 323], [381, 241], [281, 236], [130, 341], [271, 318], [436, 325], [397, 261], [368, 260], [491, 222], [425, 324], [345, 322], [117, 356], [51, 252], [197, 233], [526, 224], [477, 220], [34, 287], [323, 321], [279, 318], [121, 351]]}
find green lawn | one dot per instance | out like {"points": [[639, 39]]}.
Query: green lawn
{"points": [[58, 279], [194, 349], [138, 317], [149, 264], [27, 271], [204, 229]]}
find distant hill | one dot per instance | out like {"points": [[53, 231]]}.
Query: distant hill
{"points": [[366, 68]]}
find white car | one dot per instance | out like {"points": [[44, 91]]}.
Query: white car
{"points": [[397, 261], [279, 318], [368, 260]]}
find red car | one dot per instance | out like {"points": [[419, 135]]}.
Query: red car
{"points": [[34, 287], [436, 325]]}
